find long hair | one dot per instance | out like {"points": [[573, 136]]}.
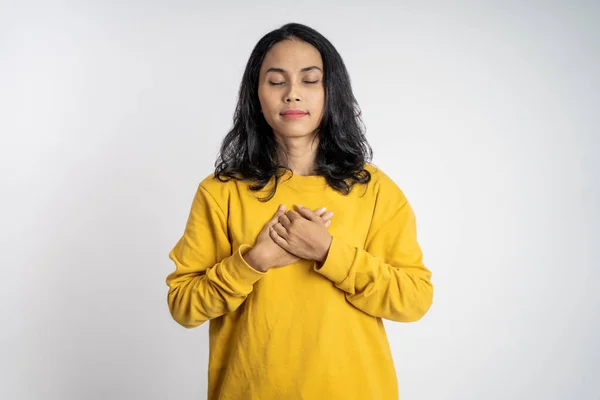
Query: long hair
{"points": [[250, 152]]}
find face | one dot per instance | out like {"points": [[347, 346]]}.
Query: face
{"points": [[291, 78]]}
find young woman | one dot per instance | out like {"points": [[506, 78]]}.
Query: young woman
{"points": [[294, 296]]}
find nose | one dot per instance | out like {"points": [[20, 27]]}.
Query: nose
{"points": [[292, 94]]}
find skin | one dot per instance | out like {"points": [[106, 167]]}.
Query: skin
{"points": [[303, 234], [297, 89], [291, 77], [267, 253]]}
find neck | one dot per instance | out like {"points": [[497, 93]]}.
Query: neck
{"points": [[299, 153]]}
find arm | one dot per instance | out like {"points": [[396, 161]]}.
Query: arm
{"points": [[209, 279], [387, 279]]}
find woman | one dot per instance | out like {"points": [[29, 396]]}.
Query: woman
{"points": [[295, 300]]}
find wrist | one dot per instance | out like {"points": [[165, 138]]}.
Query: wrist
{"points": [[325, 251], [255, 257]]}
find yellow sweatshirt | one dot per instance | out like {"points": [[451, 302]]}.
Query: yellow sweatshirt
{"points": [[299, 331]]}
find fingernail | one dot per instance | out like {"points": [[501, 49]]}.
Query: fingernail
{"points": [[282, 207], [299, 206], [322, 209]]}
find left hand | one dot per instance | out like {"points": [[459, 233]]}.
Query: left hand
{"points": [[303, 234]]}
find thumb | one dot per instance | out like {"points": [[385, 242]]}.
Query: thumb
{"points": [[280, 212]]}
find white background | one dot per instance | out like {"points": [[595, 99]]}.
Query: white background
{"points": [[484, 113]]}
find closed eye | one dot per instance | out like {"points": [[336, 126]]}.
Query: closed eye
{"points": [[281, 83]]}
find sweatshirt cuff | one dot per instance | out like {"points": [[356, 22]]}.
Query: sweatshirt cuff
{"points": [[238, 270], [336, 266]]}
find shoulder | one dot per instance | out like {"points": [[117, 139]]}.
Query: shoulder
{"points": [[383, 186], [211, 184], [215, 189]]}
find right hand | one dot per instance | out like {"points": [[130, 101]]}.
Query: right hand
{"points": [[267, 254]]}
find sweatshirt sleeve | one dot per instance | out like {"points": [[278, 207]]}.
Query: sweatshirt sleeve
{"points": [[210, 278], [387, 278]]}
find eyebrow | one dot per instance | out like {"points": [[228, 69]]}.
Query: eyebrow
{"points": [[273, 69]]}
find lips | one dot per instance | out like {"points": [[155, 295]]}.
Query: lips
{"points": [[294, 112]]}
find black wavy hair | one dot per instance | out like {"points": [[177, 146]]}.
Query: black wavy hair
{"points": [[249, 151]]}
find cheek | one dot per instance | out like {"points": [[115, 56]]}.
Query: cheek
{"points": [[319, 101], [267, 102], [320, 108], [319, 95], [261, 99]]}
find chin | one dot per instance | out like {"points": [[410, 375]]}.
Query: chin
{"points": [[295, 132]]}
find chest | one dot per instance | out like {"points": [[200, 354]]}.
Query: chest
{"points": [[350, 222]]}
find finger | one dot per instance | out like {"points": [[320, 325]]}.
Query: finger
{"points": [[281, 231], [320, 211], [285, 221], [293, 215], [327, 216], [280, 211], [308, 214], [327, 223], [278, 239]]}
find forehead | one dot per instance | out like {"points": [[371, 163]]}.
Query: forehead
{"points": [[292, 55]]}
